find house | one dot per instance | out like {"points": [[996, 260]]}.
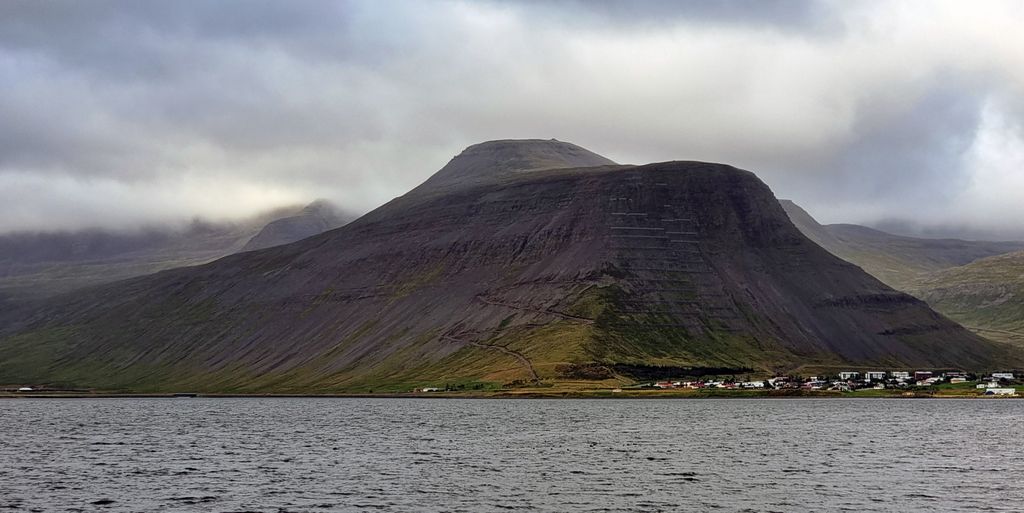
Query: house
{"points": [[1000, 391], [752, 384], [1002, 375], [25, 389], [848, 375], [958, 380], [900, 375], [874, 376], [922, 375], [430, 389], [663, 384]]}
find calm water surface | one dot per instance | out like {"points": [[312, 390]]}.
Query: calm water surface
{"points": [[413, 455]]}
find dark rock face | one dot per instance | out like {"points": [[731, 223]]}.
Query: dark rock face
{"points": [[682, 264]]}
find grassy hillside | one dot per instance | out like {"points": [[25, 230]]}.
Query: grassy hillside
{"points": [[986, 295], [900, 262], [979, 284]]}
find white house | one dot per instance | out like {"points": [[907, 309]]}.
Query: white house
{"points": [[848, 375], [900, 375], [1002, 375], [874, 375], [1000, 391]]}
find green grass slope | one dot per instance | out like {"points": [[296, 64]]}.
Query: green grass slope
{"points": [[986, 295]]}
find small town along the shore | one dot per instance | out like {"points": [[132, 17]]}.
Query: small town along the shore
{"points": [[996, 383]]}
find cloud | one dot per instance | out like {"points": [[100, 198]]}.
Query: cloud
{"points": [[132, 112]]}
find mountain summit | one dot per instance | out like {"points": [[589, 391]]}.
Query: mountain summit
{"points": [[494, 160], [506, 269]]}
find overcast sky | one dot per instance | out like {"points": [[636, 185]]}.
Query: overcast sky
{"points": [[128, 113]]}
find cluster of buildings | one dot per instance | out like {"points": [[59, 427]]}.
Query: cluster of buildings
{"points": [[994, 384]]}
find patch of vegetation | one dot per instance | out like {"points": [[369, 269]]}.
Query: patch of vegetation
{"points": [[407, 286]]}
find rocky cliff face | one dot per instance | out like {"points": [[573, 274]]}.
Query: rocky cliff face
{"points": [[519, 277]]}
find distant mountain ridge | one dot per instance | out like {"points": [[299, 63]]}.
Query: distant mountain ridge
{"points": [[499, 277], [897, 260], [314, 219], [986, 295], [977, 283], [42, 264]]}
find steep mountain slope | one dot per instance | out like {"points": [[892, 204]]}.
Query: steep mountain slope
{"points": [[519, 276], [987, 295], [38, 265], [898, 261], [316, 218]]}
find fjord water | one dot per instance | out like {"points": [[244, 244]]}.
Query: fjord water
{"points": [[507, 455]]}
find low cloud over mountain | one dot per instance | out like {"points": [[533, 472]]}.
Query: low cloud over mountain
{"points": [[119, 114]]}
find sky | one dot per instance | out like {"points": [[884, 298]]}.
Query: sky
{"points": [[902, 114]]}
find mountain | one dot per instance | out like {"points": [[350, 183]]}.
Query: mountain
{"points": [[314, 219], [987, 295], [493, 273], [499, 160], [43, 264], [898, 261], [979, 284]]}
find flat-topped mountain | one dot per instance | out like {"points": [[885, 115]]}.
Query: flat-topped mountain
{"points": [[505, 276]]}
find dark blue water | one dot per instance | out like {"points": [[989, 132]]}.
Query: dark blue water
{"points": [[511, 455]]}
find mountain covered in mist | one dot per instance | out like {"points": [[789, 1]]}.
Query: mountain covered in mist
{"points": [[315, 218], [519, 261], [42, 264]]}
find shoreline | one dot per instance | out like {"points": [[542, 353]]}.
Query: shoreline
{"points": [[525, 394]]}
